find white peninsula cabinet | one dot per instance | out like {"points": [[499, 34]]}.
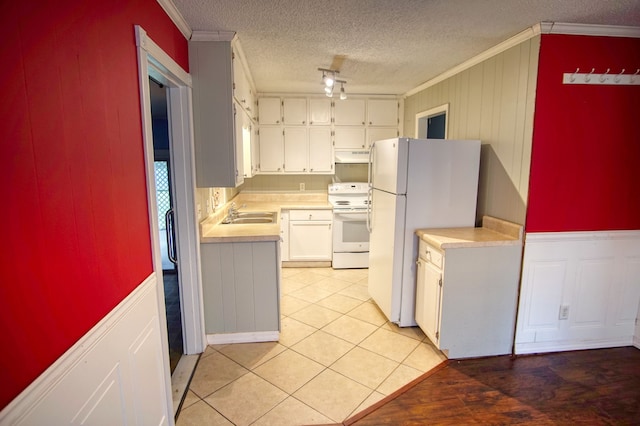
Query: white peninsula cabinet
{"points": [[467, 287], [240, 286]]}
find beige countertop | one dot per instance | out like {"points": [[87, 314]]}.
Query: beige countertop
{"points": [[494, 232], [213, 231]]}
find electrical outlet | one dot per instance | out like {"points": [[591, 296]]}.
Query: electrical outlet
{"points": [[564, 312], [301, 186], [199, 209]]}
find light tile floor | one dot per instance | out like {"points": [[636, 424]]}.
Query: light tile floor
{"points": [[336, 356]]}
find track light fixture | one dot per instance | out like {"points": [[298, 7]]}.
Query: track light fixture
{"points": [[329, 80]]}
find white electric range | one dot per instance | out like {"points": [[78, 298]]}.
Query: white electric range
{"points": [[350, 234]]}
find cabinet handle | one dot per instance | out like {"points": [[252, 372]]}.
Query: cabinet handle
{"points": [[363, 123], [303, 122], [370, 123], [310, 216]]}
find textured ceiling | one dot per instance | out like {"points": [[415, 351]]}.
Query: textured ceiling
{"points": [[388, 46]]}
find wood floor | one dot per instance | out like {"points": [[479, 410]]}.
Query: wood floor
{"points": [[596, 387]]}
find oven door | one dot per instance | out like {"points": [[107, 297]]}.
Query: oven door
{"points": [[350, 234]]}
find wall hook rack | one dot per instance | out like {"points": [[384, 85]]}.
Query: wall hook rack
{"points": [[619, 79]]}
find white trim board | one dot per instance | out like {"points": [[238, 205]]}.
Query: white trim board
{"points": [[112, 372], [252, 337], [174, 14], [535, 30]]}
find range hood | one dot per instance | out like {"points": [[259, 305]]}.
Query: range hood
{"points": [[352, 157]]}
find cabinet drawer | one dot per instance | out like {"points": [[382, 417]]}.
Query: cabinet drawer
{"points": [[431, 254], [310, 215]]}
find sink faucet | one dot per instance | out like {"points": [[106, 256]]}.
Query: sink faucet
{"points": [[232, 213]]}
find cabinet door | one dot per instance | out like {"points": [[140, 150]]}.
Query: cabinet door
{"points": [[269, 111], [349, 112], [382, 112], [239, 143], [271, 149], [428, 299], [319, 112], [321, 158], [349, 138], [284, 235], [377, 134], [310, 240], [248, 147], [296, 149], [294, 111]]}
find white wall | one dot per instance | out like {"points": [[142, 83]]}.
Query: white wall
{"points": [[113, 375], [492, 101], [595, 274]]}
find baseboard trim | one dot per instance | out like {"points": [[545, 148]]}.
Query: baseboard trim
{"points": [[44, 384], [252, 337], [544, 347]]}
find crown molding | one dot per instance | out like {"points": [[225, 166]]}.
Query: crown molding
{"points": [[212, 35], [499, 48], [533, 31], [172, 11], [590, 30]]}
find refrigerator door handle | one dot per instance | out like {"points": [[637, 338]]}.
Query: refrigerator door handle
{"points": [[370, 189]]}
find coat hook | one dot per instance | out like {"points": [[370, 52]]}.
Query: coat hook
{"points": [[573, 76], [619, 76], [587, 78], [633, 77], [603, 77]]}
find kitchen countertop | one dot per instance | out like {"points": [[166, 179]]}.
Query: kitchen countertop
{"points": [[494, 232], [213, 231]]}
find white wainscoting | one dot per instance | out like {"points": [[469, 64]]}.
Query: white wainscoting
{"points": [[596, 275], [113, 375]]}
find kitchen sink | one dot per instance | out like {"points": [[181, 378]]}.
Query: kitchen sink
{"points": [[244, 218]]}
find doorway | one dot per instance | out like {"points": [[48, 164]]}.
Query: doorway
{"points": [[166, 220], [154, 63], [432, 123]]}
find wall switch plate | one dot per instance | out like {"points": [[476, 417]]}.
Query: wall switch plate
{"points": [[301, 186], [564, 312]]}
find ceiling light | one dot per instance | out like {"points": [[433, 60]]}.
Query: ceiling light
{"points": [[329, 80], [343, 95]]}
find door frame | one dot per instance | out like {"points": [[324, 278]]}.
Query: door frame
{"points": [[154, 62], [423, 116]]}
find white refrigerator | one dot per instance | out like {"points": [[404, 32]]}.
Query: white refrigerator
{"points": [[414, 183]]}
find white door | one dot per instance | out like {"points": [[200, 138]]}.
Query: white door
{"points": [[389, 170], [321, 157], [386, 250], [269, 111], [349, 138], [319, 112], [294, 111], [271, 149], [349, 112], [296, 149]]}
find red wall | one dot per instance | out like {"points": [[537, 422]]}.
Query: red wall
{"points": [[74, 211], [585, 166]]}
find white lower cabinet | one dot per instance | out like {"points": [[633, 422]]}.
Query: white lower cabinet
{"points": [[310, 235], [466, 298], [240, 286]]}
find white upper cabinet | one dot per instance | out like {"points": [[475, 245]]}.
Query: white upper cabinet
{"points": [[271, 149], [269, 111], [350, 137], [382, 112], [349, 112], [377, 134], [242, 90], [296, 149], [321, 157], [294, 111], [320, 112], [218, 156]]}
